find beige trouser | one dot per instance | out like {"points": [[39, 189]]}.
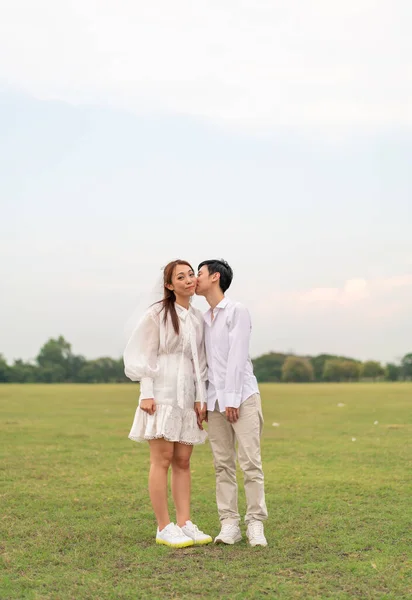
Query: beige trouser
{"points": [[223, 437]]}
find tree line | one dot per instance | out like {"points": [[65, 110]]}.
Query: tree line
{"points": [[328, 367], [56, 363]]}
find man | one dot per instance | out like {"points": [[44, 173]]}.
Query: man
{"points": [[234, 407]]}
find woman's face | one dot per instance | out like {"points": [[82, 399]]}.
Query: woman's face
{"points": [[183, 281]]}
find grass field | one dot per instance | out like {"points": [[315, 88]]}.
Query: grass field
{"points": [[76, 521]]}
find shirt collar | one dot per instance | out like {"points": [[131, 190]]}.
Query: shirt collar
{"points": [[223, 303], [181, 312], [208, 314]]}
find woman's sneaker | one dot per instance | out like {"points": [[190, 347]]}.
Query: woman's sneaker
{"points": [[199, 538], [173, 536], [229, 534], [256, 534]]}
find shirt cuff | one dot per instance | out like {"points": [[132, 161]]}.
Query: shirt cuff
{"points": [[232, 399], [201, 394], [146, 388]]}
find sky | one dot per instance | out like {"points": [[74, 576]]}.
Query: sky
{"points": [[274, 134]]}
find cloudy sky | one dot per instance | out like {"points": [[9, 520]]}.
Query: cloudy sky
{"points": [[275, 134]]}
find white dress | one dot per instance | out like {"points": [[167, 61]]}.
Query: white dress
{"points": [[172, 369]]}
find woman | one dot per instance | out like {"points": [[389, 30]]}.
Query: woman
{"points": [[166, 354]]}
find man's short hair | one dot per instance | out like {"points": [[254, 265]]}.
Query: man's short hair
{"points": [[221, 267]]}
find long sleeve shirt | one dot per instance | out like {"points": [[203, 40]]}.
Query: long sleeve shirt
{"points": [[230, 370]]}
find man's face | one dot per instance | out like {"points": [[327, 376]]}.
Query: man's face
{"points": [[204, 281]]}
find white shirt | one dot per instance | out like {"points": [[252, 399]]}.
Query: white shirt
{"points": [[171, 368], [230, 372]]}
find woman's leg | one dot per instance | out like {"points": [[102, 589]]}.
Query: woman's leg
{"points": [[181, 481], [161, 454]]}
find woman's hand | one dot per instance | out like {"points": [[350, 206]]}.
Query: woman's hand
{"points": [[201, 413], [148, 405]]}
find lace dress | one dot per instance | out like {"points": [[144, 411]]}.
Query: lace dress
{"points": [[172, 369]]}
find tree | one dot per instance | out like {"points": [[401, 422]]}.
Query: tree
{"points": [[392, 372], [5, 371], [268, 367], [350, 370], [406, 366], [332, 370], [102, 370], [371, 369], [75, 363], [297, 369], [55, 352], [22, 372], [88, 373], [338, 369], [58, 363], [318, 364], [51, 374]]}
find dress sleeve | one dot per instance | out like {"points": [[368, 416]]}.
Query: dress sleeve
{"points": [[201, 395], [141, 354]]}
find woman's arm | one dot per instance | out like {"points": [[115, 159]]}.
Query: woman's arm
{"points": [[141, 354]]}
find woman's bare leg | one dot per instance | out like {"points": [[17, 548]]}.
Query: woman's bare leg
{"points": [[181, 481], [161, 454]]}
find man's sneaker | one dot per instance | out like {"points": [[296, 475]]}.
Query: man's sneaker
{"points": [[192, 531], [256, 534], [173, 536], [229, 534]]}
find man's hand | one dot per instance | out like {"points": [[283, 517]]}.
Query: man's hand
{"points": [[148, 405], [201, 413], [232, 414]]}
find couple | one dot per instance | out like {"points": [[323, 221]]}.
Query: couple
{"points": [[194, 368]]}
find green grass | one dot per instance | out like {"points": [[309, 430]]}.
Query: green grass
{"points": [[77, 524]]}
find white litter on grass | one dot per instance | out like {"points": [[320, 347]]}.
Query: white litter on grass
{"points": [[340, 404], [376, 422], [275, 424], [353, 439]]}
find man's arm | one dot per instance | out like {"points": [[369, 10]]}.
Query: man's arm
{"points": [[239, 338]]}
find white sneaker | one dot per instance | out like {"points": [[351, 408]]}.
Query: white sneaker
{"points": [[192, 531], [256, 534], [229, 534], [173, 536]]}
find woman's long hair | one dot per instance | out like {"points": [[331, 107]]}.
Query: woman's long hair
{"points": [[169, 297]]}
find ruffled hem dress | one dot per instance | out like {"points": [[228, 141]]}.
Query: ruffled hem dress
{"points": [[172, 369]]}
